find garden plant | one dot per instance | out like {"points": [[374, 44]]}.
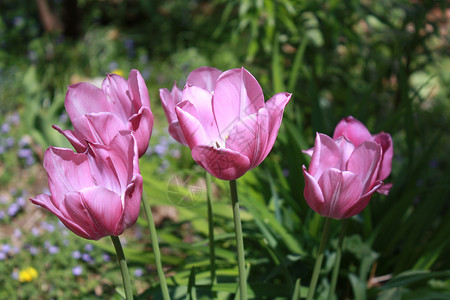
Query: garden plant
{"points": [[224, 149]]}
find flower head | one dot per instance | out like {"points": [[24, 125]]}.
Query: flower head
{"points": [[341, 177], [203, 77], [98, 114], [231, 129], [27, 274], [96, 193]]}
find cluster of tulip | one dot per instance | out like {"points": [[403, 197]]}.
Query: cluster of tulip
{"points": [[223, 118]]}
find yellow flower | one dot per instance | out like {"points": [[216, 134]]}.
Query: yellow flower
{"points": [[118, 72], [27, 274]]}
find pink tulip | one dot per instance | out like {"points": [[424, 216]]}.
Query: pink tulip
{"points": [[203, 77], [341, 178], [357, 133], [230, 130], [96, 193], [98, 114]]}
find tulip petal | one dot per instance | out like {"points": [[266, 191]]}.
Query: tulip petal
{"points": [[224, 164], [78, 144], [142, 126], [326, 155], [353, 130], [67, 172], [245, 137], [357, 206], [96, 209], [116, 90], [201, 100], [138, 90], [237, 94], [46, 202], [340, 189], [346, 148], [193, 130], [98, 127], [204, 77], [85, 98], [169, 101], [365, 161], [176, 132], [275, 108], [133, 196], [385, 141], [385, 189], [312, 193]]}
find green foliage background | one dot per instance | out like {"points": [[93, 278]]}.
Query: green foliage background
{"points": [[384, 62]]}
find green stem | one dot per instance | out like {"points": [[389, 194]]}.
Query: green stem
{"points": [[123, 267], [156, 251], [212, 255], [319, 259], [338, 260], [239, 240]]}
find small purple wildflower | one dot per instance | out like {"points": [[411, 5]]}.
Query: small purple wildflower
{"points": [[6, 248], [17, 233], [2, 256], [86, 257], [9, 142], [15, 275], [76, 254], [33, 250], [24, 153], [13, 209], [77, 271], [88, 247], [106, 257], [53, 249], [2, 215], [5, 127], [35, 231], [138, 272]]}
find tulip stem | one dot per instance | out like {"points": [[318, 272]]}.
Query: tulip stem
{"points": [[239, 241], [156, 251], [337, 262], [212, 255], [319, 259], [123, 267]]}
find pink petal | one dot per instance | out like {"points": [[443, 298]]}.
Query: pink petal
{"points": [[97, 127], [312, 193], [275, 108], [245, 138], [46, 202], [365, 161], [97, 210], [114, 166], [193, 130], [142, 126], [138, 90], [224, 164], [385, 141], [169, 101], [346, 148], [176, 132], [326, 155], [204, 77], [353, 130], [201, 100], [116, 90], [67, 172], [85, 98], [132, 201], [385, 189], [340, 190], [359, 204], [237, 94], [78, 144]]}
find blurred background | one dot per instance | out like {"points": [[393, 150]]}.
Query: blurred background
{"points": [[384, 62]]}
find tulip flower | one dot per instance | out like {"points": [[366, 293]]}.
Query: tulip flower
{"points": [[98, 114], [203, 77], [230, 130], [95, 193], [357, 133], [342, 177]]}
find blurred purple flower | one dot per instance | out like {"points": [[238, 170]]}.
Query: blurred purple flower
{"points": [[88, 247], [9, 142], [33, 250], [13, 209], [106, 257], [35, 231], [14, 118], [138, 272], [5, 127], [53, 249], [21, 201], [77, 271], [76, 254], [17, 233], [6, 248], [2, 214], [15, 275], [2, 149], [2, 256], [86, 257], [24, 153]]}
